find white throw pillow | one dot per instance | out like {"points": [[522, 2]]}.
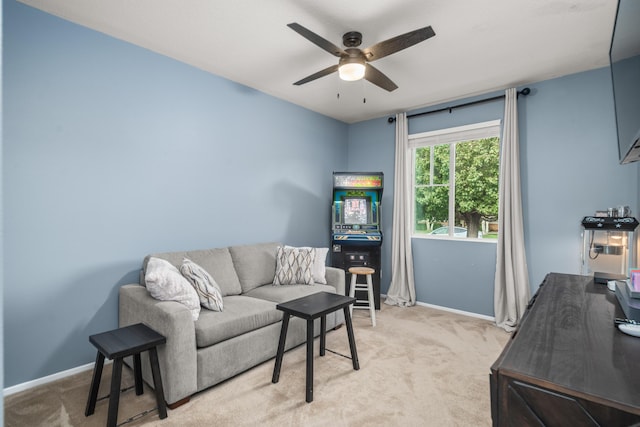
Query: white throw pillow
{"points": [[165, 283], [207, 288], [294, 266], [319, 264]]}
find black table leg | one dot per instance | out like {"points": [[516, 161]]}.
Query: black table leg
{"points": [[114, 396], [95, 385], [137, 373], [323, 334], [309, 382], [281, 343], [157, 382], [352, 340]]}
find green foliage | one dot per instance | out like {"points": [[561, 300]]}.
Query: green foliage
{"points": [[432, 201], [477, 177], [476, 183]]}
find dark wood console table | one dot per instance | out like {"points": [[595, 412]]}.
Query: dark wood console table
{"points": [[567, 364]]}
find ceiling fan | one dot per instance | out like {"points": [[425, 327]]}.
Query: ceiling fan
{"points": [[354, 63]]}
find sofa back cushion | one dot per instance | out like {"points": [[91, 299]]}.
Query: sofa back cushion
{"points": [[217, 262], [255, 264]]}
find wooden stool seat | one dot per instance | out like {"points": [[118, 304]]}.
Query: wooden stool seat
{"points": [[361, 270], [368, 287]]}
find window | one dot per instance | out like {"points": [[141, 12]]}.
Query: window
{"points": [[455, 181]]}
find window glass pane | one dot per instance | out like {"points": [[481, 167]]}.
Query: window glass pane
{"points": [[423, 166], [470, 154], [476, 186], [431, 208], [441, 164]]}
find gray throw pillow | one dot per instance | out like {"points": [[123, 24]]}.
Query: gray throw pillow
{"points": [[207, 288]]}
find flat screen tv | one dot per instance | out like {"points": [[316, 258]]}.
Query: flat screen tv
{"points": [[625, 74]]}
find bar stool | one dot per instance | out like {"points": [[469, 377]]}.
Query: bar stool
{"points": [[355, 286]]}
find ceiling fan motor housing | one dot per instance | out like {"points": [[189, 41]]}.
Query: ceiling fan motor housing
{"points": [[352, 39]]}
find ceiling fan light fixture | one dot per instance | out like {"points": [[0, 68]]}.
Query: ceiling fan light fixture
{"points": [[351, 71]]}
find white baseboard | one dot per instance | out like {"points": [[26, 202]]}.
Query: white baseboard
{"points": [[49, 378], [453, 310]]}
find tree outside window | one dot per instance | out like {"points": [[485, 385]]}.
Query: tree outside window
{"points": [[457, 183]]}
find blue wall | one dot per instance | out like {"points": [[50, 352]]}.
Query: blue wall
{"points": [[370, 150], [569, 169], [112, 152]]}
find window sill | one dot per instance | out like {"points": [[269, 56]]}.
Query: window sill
{"points": [[451, 238]]}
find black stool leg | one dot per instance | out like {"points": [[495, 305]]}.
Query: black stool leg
{"points": [[309, 381], [323, 334], [352, 340], [281, 343], [157, 382], [114, 397], [137, 373], [95, 385]]}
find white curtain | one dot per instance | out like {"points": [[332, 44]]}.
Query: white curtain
{"points": [[402, 291], [511, 293]]}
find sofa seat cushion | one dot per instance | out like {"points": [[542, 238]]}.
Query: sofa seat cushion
{"points": [[286, 293], [217, 262], [241, 314]]}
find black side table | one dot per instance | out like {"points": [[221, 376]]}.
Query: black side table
{"points": [[311, 307], [116, 345]]}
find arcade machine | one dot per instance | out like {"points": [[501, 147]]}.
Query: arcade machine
{"points": [[356, 234]]}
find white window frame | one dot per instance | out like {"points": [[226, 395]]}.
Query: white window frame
{"points": [[489, 129]]}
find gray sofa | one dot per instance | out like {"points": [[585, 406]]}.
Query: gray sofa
{"points": [[199, 354]]}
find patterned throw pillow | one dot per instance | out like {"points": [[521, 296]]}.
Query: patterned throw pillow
{"points": [[206, 287], [294, 266], [319, 270], [165, 283]]}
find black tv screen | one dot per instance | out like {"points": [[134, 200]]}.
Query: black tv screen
{"points": [[625, 75]]}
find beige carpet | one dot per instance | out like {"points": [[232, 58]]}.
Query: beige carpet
{"points": [[418, 367]]}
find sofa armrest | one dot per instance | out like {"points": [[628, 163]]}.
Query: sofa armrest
{"points": [[178, 361], [336, 278]]}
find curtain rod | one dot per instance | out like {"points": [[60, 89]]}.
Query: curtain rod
{"points": [[526, 91]]}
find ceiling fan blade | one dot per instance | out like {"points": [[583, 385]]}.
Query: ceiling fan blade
{"points": [[376, 77], [317, 40], [395, 44], [317, 75]]}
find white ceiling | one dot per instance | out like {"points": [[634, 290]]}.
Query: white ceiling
{"points": [[480, 46]]}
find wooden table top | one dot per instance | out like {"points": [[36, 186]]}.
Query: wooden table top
{"points": [[315, 305], [126, 341]]}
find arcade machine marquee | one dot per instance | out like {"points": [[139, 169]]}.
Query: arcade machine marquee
{"points": [[356, 234]]}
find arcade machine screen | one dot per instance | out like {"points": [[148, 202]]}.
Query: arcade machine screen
{"points": [[356, 211]]}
